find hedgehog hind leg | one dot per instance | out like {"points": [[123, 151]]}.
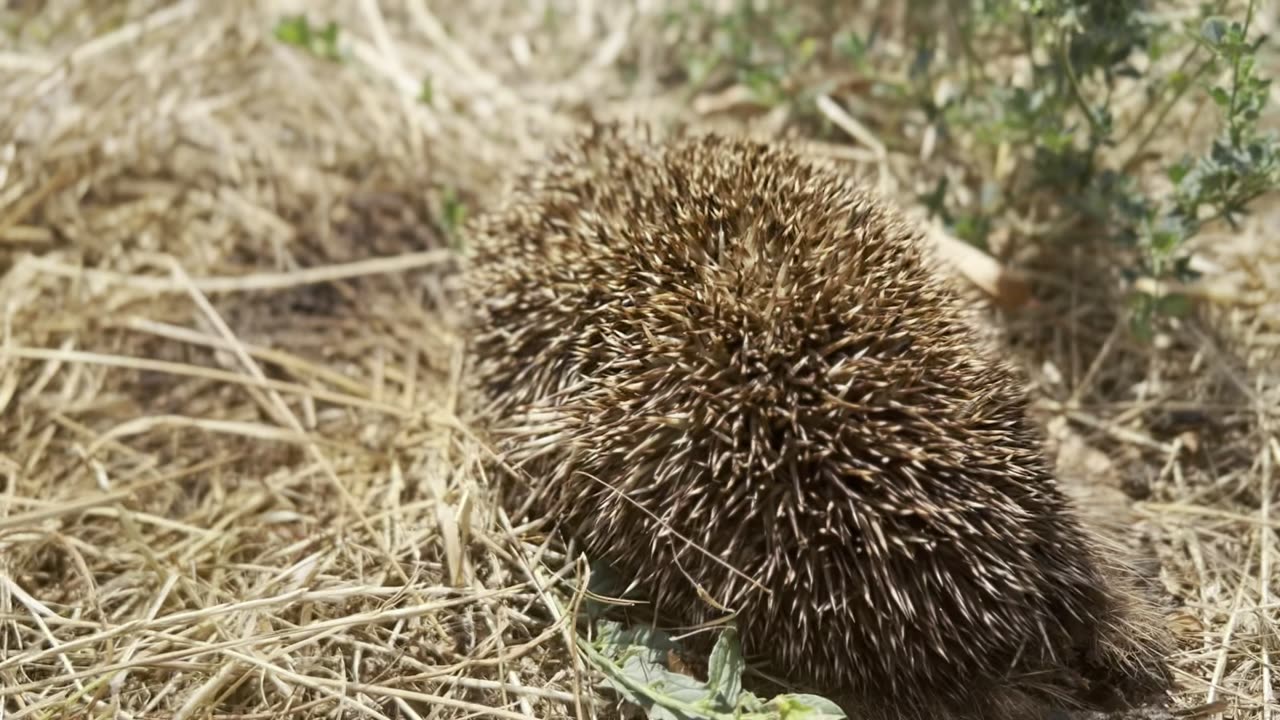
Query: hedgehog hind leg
{"points": [[1050, 701], [1115, 668], [1128, 666], [1127, 658], [1119, 670]]}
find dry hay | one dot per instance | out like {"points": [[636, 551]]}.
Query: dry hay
{"points": [[231, 480]]}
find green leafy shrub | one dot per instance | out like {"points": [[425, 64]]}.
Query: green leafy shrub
{"points": [[1038, 111], [1094, 169]]}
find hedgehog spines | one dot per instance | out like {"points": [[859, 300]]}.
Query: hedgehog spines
{"points": [[715, 338]]}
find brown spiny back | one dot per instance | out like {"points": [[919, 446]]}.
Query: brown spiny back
{"points": [[714, 339]]}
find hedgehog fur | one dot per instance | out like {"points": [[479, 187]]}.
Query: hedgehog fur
{"points": [[730, 370]]}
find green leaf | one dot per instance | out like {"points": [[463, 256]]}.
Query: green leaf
{"points": [[852, 46], [454, 214], [724, 670], [805, 707], [1221, 97], [1214, 30], [749, 703], [1166, 240], [684, 689], [615, 640], [807, 49], [1140, 318], [294, 30], [637, 654], [1235, 35], [329, 41], [1174, 305]]}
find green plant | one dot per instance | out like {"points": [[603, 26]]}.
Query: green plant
{"points": [[298, 31], [452, 213], [1241, 164], [632, 662], [758, 44], [1087, 165], [1057, 111]]}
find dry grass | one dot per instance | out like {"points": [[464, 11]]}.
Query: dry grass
{"points": [[232, 482]]}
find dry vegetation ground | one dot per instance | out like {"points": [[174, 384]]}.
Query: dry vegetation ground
{"points": [[232, 483]]}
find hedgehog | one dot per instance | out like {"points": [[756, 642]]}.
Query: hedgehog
{"points": [[737, 375]]}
